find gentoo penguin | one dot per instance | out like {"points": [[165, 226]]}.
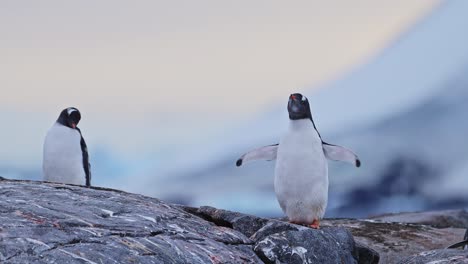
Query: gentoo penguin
{"points": [[66, 157], [301, 172]]}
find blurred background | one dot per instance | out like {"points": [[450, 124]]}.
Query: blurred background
{"points": [[173, 92]]}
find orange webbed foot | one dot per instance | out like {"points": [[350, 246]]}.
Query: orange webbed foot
{"points": [[315, 224]]}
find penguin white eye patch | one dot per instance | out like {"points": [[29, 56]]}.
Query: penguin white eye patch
{"points": [[304, 98], [71, 110]]}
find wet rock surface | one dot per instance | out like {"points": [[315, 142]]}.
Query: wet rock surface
{"points": [[56, 223]]}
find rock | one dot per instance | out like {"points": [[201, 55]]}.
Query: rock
{"points": [[395, 241], [277, 241], [365, 254], [439, 219], [45, 222], [57, 223], [305, 245], [246, 224], [443, 256]]}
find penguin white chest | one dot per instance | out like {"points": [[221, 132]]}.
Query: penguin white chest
{"points": [[62, 157], [301, 174]]}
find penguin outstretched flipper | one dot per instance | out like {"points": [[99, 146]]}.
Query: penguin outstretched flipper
{"points": [[466, 239], [263, 153], [462, 245], [338, 153]]}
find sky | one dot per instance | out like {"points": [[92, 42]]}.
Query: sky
{"points": [[177, 56], [145, 74]]}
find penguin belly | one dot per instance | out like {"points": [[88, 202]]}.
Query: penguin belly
{"points": [[301, 177], [63, 158]]}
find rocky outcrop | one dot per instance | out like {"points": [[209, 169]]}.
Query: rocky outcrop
{"points": [[280, 242], [439, 219], [43, 223], [397, 241], [389, 242], [450, 226], [56, 223], [444, 256]]}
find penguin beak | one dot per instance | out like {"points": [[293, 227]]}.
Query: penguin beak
{"points": [[73, 125]]}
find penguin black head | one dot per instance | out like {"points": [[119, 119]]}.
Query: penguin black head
{"points": [[298, 107], [69, 117]]}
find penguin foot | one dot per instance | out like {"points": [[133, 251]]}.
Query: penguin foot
{"points": [[315, 224]]}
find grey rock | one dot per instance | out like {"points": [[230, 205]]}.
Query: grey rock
{"points": [[305, 245], [396, 241], [56, 223], [277, 241], [365, 254], [439, 219], [443, 256], [246, 224], [274, 227]]}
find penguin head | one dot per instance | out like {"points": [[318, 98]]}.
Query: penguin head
{"points": [[298, 107], [69, 117]]}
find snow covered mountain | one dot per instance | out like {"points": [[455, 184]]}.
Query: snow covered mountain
{"points": [[403, 112], [415, 159]]}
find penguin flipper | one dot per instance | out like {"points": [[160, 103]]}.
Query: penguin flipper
{"points": [[86, 163], [263, 153], [338, 153], [462, 245]]}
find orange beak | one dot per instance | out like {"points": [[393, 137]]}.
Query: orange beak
{"points": [[73, 125], [293, 97]]}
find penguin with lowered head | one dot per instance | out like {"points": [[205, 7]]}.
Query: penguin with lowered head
{"points": [[65, 156]]}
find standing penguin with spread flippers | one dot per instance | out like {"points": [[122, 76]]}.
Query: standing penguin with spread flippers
{"points": [[301, 173], [66, 157]]}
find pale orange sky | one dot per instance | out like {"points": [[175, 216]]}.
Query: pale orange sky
{"points": [[165, 56]]}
